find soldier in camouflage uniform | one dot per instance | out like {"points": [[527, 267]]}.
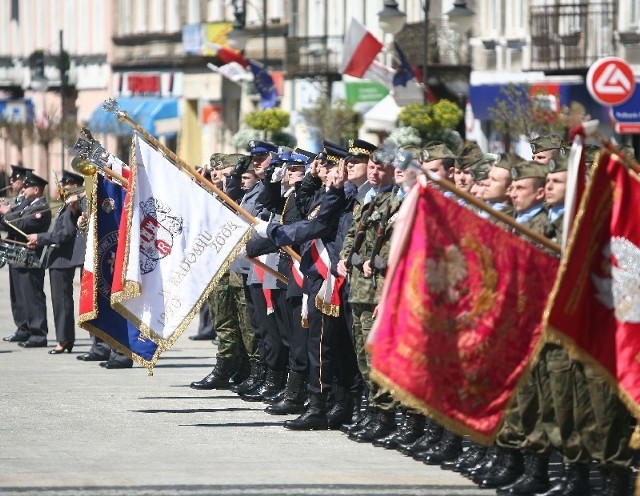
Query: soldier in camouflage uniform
{"points": [[365, 290], [544, 148]]}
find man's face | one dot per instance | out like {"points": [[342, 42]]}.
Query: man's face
{"points": [[357, 170], [555, 188], [294, 175], [31, 192], [525, 194], [437, 167], [497, 185], [379, 174], [324, 170], [260, 163], [479, 188], [398, 176], [247, 180], [463, 179], [543, 157], [16, 185]]}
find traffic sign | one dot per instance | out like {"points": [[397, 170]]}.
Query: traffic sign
{"points": [[611, 81]]}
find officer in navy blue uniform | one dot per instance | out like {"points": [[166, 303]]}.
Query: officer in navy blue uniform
{"points": [[32, 217], [65, 256]]}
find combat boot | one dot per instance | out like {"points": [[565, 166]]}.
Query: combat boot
{"points": [[242, 373], [256, 377], [448, 448], [615, 482], [314, 417], [467, 459], [272, 385], [483, 466], [362, 423], [384, 425], [219, 376], [432, 434], [413, 429], [507, 471], [535, 479], [574, 481], [342, 410], [294, 397]]}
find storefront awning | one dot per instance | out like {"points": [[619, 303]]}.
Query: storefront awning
{"points": [[383, 116], [157, 116]]}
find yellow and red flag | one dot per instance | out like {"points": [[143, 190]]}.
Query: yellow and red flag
{"points": [[595, 305], [461, 313]]}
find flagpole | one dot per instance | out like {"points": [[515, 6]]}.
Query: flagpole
{"points": [[268, 269], [110, 105], [510, 221]]}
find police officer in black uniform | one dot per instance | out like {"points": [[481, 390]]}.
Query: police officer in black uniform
{"points": [[28, 282]]}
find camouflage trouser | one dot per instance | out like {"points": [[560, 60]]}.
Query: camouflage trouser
{"points": [[607, 438], [362, 323], [521, 417], [235, 337]]}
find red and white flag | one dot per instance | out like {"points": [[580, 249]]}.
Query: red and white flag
{"points": [[360, 49], [233, 71], [180, 239]]}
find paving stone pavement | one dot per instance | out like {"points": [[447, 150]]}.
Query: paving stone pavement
{"points": [[70, 428]]}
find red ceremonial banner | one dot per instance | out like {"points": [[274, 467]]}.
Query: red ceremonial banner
{"points": [[594, 308], [461, 313]]}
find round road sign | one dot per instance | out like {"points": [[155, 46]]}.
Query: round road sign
{"points": [[610, 81]]}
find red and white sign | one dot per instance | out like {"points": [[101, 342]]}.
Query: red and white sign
{"points": [[611, 81], [627, 127]]}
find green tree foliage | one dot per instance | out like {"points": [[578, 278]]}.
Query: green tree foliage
{"points": [[431, 120], [268, 120], [335, 121]]}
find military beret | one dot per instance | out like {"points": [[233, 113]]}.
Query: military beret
{"points": [[629, 151], [525, 170], [590, 152], [470, 155], [19, 172], [558, 164], [547, 142], [34, 180], [436, 150], [228, 160], [359, 148], [69, 177], [508, 161], [257, 147], [480, 171]]}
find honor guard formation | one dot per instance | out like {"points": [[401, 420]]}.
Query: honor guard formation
{"points": [[298, 343]]}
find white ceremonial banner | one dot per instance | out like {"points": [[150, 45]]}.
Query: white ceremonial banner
{"points": [[180, 240]]}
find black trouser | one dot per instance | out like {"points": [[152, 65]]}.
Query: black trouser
{"points": [[17, 304], [331, 354], [298, 336], [61, 281], [30, 284], [273, 351]]}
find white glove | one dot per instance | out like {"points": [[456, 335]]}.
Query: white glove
{"points": [[261, 228], [278, 174]]}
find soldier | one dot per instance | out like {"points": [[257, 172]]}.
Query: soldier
{"points": [[544, 148], [66, 255], [33, 217], [470, 156], [437, 159]]}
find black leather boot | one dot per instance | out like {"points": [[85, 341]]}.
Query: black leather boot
{"points": [[294, 397], [255, 379], [219, 376], [384, 425], [574, 481], [365, 419], [413, 430], [615, 482], [507, 471], [273, 383], [242, 373], [535, 479], [483, 466], [467, 459], [448, 448], [314, 417], [342, 410]]}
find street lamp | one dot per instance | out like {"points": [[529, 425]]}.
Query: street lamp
{"points": [[238, 36], [391, 19], [461, 17]]}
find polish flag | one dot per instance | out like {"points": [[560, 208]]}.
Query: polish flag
{"points": [[360, 49], [228, 55]]}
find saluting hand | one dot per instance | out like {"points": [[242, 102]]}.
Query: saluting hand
{"points": [[313, 170]]}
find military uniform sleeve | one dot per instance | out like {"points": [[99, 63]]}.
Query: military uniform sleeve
{"points": [[64, 230], [31, 220]]}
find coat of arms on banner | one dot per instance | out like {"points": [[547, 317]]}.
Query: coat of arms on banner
{"points": [[157, 230]]}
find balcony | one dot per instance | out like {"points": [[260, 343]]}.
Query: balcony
{"points": [[315, 56], [568, 37]]}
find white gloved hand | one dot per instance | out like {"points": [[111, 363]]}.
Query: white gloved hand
{"points": [[261, 228], [278, 174], [243, 251]]}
